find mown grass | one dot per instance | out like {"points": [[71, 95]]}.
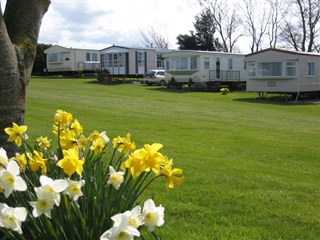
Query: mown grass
{"points": [[251, 168]]}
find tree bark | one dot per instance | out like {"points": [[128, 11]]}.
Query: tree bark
{"points": [[19, 30]]}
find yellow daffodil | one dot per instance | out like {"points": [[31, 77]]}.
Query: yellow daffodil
{"points": [[36, 161], [76, 127], [82, 142], [22, 160], [62, 118], [98, 145], [135, 163], [124, 144], [67, 139], [43, 142], [152, 157], [94, 135], [172, 174], [71, 162], [16, 133]]}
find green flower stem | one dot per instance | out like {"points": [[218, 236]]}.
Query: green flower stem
{"points": [[144, 188], [155, 235]]}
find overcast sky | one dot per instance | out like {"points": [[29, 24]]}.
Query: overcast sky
{"points": [[100, 23]]}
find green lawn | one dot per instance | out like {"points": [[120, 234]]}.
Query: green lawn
{"points": [[252, 169]]}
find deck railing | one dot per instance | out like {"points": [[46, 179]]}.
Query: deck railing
{"points": [[224, 75]]}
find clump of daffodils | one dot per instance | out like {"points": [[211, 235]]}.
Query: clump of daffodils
{"points": [[79, 189], [224, 91]]}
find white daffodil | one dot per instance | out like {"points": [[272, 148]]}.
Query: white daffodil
{"points": [[74, 189], [134, 216], [10, 180], [122, 231], [11, 218], [52, 188], [3, 158], [43, 205], [105, 137], [115, 178], [153, 216]]}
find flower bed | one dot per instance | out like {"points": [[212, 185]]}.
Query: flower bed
{"points": [[75, 190]]}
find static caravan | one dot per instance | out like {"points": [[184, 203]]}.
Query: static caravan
{"points": [[205, 66], [67, 60], [281, 71], [129, 61]]}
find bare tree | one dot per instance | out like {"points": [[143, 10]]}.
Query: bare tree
{"points": [[154, 39], [226, 20], [256, 22], [19, 30], [302, 25], [277, 10]]}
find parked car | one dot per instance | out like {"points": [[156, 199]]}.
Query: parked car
{"points": [[155, 77]]}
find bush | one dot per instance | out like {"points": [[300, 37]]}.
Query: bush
{"points": [[103, 76], [171, 83], [200, 87]]}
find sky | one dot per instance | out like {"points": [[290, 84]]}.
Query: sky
{"points": [[97, 24]]}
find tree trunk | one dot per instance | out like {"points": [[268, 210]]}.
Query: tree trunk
{"points": [[19, 30]]}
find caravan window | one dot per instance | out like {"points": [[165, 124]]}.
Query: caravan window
{"points": [[94, 57], [270, 69], [168, 67], [230, 63], [110, 60], [179, 63], [291, 69], [206, 63], [140, 59], [193, 63], [88, 57], [55, 57], [115, 60], [91, 57], [311, 69], [121, 59], [252, 69]]}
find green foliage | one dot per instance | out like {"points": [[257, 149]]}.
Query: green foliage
{"points": [[187, 42], [103, 76], [40, 60], [200, 87], [171, 83], [251, 166], [203, 38]]}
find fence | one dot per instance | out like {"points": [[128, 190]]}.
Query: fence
{"points": [[224, 75]]}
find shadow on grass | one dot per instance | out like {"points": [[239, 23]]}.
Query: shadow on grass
{"points": [[108, 84], [278, 101], [165, 89]]}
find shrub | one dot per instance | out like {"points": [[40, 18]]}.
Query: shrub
{"points": [[200, 87], [103, 76], [171, 83]]}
